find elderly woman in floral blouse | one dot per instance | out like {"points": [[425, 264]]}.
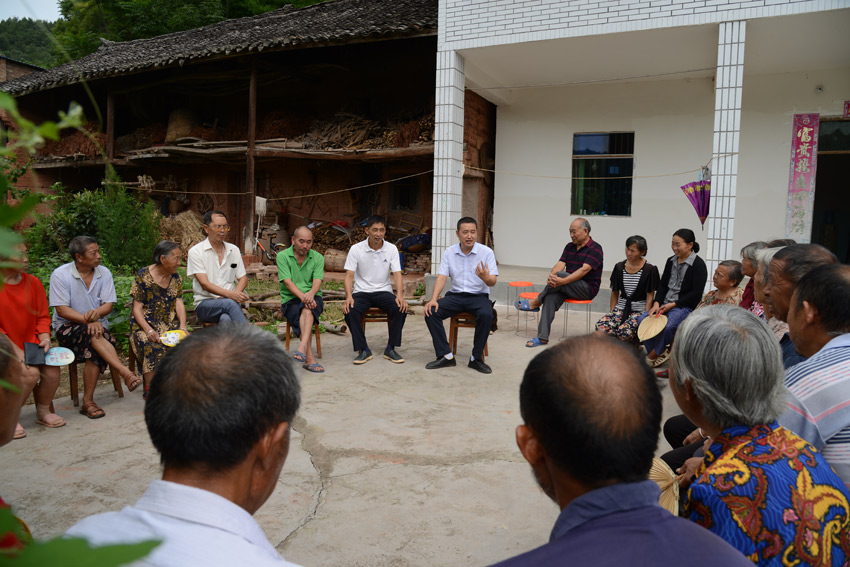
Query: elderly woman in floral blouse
{"points": [[157, 306], [760, 487], [727, 285]]}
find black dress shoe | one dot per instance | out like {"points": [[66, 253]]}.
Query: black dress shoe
{"points": [[363, 356], [480, 366], [441, 362], [393, 356]]}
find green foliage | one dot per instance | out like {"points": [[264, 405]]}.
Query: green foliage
{"points": [[27, 40], [84, 22], [420, 290]]}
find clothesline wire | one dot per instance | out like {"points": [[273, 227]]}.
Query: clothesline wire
{"points": [[421, 173]]}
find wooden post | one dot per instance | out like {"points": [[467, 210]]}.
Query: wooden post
{"points": [[249, 165], [110, 126]]}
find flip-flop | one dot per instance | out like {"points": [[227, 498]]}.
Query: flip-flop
{"points": [[299, 356], [536, 342], [315, 367], [20, 432], [663, 374], [523, 305], [57, 422]]}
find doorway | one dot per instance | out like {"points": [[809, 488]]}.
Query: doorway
{"points": [[831, 213]]}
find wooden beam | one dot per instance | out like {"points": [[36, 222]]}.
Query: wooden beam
{"points": [[249, 165], [110, 125]]}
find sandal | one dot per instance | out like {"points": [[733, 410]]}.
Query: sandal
{"points": [[134, 381], [299, 356], [535, 342], [51, 420], [661, 359], [315, 367], [664, 374], [20, 432], [92, 411], [524, 305]]}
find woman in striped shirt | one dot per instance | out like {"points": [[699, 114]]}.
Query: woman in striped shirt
{"points": [[633, 283]]}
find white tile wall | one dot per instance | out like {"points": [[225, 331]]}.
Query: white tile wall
{"points": [[448, 153], [727, 132], [466, 24]]}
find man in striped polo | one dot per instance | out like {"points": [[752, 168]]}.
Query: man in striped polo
{"points": [[819, 387], [576, 275]]}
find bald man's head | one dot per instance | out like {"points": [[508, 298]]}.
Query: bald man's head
{"points": [[595, 407]]}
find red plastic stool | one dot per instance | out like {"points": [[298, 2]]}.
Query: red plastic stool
{"points": [[568, 302], [526, 295], [516, 285]]}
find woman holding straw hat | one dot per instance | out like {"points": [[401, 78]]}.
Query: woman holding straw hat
{"points": [[678, 294]]}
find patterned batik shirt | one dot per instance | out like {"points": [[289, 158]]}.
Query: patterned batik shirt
{"points": [[773, 497]]}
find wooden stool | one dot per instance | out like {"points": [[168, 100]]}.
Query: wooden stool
{"points": [[515, 285], [462, 321], [75, 397], [525, 295], [315, 333], [374, 315], [567, 303]]}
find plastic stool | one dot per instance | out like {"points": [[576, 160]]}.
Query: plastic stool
{"points": [[516, 285], [525, 295], [568, 302]]}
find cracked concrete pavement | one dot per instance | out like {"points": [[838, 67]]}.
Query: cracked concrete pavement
{"points": [[389, 465]]}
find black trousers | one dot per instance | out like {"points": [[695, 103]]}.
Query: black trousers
{"points": [[478, 304], [675, 430], [383, 300]]}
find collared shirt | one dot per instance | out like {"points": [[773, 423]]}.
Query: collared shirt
{"points": [[590, 254], [677, 276], [68, 289], [818, 408], [372, 268], [313, 268], [196, 527], [461, 268], [622, 524], [202, 259], [772, 496]]}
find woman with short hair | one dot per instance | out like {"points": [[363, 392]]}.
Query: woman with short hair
{"points": [[749, 265], [762, 488], [633, 284], [157, 294]]}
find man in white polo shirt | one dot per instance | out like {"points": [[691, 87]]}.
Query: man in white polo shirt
{"points": [[367, 284], [219, 274]]}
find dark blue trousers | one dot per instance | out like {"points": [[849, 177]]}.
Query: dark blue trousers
{"points": [[383, 300], [452, 304]]}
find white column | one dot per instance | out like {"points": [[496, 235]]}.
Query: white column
{"points": [[727, 133], [448, 154]]}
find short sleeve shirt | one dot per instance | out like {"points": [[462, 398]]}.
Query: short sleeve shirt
{"points": [[461, 268], [68, 289], [372, 268], [590, 254], [202, 259], [302, 276]]}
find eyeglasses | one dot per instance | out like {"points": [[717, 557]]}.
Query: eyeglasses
{"points": [[224, 227]]}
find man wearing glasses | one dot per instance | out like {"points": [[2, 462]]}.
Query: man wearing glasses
{"points": [[219, 274]]}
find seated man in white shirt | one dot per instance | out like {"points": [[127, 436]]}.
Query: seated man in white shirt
{"points": [[472, 267], [368, 268], [219, 412], [218, 273]]}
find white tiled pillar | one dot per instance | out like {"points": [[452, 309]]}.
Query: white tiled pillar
{"points": [[727, 133], [448, 153]]}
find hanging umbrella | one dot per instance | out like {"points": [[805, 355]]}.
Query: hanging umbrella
{"points": [[698, 193]]}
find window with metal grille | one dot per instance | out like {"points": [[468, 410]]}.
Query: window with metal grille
{"points": [[602, 173]]}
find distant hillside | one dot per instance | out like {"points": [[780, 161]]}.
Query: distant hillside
{"points": [[27, 40]]}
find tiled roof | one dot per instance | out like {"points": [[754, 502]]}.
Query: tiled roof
{"points": [[327, 23]]}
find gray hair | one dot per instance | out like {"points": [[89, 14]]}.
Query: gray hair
{"points": [[79, 244], [735, 271], [734, 365], [749, 251], [164, 248], [764, 257], [584, 224]]}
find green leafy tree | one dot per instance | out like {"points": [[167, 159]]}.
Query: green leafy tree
{"points": [[27, 40]]}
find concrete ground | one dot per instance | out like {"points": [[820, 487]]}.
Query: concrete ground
{"points": [[390, 465]]}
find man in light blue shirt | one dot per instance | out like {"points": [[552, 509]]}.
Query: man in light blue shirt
{"points": [[218, 411], [472, 267]]}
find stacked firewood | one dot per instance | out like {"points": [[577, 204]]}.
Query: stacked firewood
{"points": [[89, 144], [417, 263]]}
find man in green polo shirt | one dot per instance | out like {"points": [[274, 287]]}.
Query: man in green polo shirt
{"points": [[300, 271]]}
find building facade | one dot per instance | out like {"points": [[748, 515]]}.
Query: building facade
{"points": [[604, 109]]}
